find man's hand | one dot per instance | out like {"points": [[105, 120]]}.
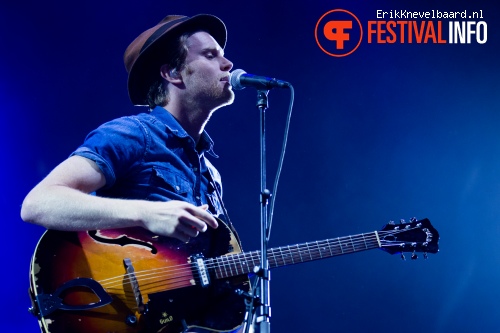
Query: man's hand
{"points": [[177, 219]]}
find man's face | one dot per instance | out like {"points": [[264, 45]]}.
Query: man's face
{"points": [[206, 72]]}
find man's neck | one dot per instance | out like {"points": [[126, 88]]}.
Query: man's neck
{"points": [[193, 120]]}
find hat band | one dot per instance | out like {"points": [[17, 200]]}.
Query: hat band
{"points": [[160, 31]]}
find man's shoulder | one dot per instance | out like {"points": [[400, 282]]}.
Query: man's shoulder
{"points": [[135, 120]]}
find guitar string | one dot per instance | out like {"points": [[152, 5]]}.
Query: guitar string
{"points": [[296, 253], [231, 260], [310, 249], [305, 249], [185, 270], [234, 258], [314, 251]]}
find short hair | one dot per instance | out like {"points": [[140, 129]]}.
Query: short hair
{"points": [[175, 59]]}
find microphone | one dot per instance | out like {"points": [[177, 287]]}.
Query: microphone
{"points": [[239, 79]]}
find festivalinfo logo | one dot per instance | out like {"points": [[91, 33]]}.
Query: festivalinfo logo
{"points": [[339, 32]]}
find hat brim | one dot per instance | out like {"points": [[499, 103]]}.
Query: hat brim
{"points": [[146, 69]]}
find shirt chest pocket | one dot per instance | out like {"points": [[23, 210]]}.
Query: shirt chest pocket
{"points": [[170, 181]]}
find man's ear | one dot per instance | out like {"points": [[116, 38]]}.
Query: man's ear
{"points": [[170, 74]]}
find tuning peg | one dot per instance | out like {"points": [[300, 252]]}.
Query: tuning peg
{"points": [[414, 256], [391, 223], [425, 255], [402, 221], [403, 256], [413, 219]]}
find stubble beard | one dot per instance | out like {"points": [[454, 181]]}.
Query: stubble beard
{"points": [[214, 96], [210, 94]]}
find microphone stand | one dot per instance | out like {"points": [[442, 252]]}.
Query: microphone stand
{"points": [[263, 273], [258, 314]]}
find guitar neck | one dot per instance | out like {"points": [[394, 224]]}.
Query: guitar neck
{"points": [[244, 263]]}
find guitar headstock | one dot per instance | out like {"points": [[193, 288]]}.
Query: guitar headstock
{"points": [[413, 236]]}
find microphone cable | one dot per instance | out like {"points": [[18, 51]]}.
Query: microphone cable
{"points": [[280, 163]]}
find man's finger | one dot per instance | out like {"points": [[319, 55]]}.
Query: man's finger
{"points": [[203, 214], [188, 230], [181, 236], [193, 222]]}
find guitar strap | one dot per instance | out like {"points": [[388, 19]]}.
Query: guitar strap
{"points": [[224, 210]]}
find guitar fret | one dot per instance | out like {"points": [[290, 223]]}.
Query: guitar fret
{"points": [[219, 268], [309, 251], [364, 240], [319, 249], [298, 251], [285, 256], [218, 271], [243, 263], [224, 265], [234, 264], [346, 245], [340, 244], [213, 263], [239, 264], [273, 257], [282, 255], [250, 257], [330, 247], [290, 253], [278, 257], [253, 259]]}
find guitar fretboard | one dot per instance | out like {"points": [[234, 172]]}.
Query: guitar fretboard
{"points": [[245, 262]]}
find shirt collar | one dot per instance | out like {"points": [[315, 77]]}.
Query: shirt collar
{"points": [[205, 144]]}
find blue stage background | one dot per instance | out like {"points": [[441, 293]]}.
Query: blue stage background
{"points": [[391, 131]]}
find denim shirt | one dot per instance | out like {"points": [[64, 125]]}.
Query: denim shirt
{"points": [[150, 156]]}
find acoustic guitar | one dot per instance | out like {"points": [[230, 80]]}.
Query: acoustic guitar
{"points": [[130, 280]]}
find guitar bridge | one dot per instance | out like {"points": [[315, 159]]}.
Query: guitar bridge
{"points": [[134, 284], [200, 271]]}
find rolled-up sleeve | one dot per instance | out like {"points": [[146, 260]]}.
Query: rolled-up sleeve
{"points": [[115, 146]]}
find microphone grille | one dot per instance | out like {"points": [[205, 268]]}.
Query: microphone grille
{"points": [[234, 79]]}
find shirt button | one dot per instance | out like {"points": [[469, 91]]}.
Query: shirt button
{"points": [[177, 187], [197, 197], [195, 169]]}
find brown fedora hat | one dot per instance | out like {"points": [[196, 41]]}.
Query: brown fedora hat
{"points": [[146, 54]]}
